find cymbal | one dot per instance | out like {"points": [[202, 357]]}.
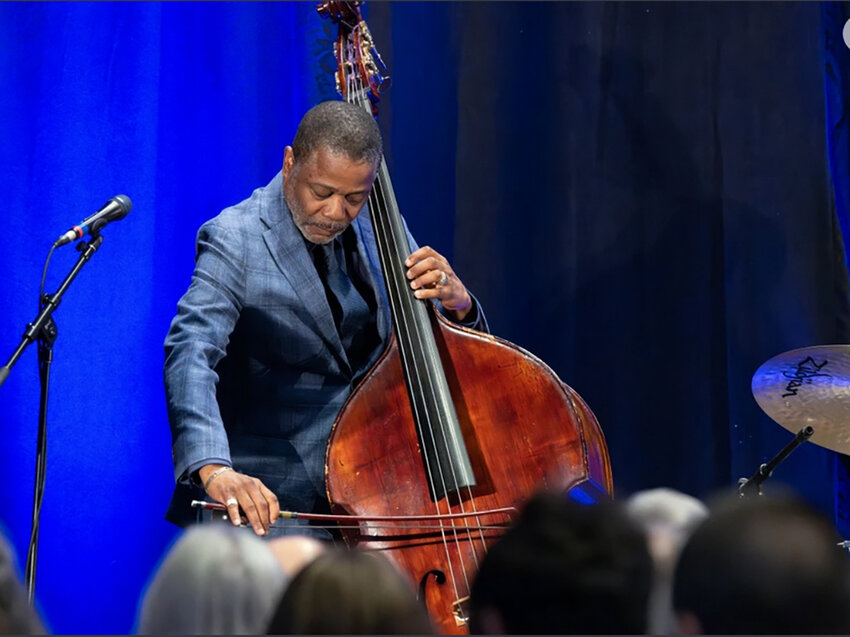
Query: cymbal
{"points": [[809, 386]]}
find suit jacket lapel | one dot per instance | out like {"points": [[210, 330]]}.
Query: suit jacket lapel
{"points": [[286, 246]]}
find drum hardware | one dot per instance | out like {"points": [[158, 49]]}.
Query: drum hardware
{"points": [[752, 486], [806, 391]]}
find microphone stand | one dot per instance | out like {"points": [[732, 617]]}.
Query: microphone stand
{"points": [[43, 329], [752, 486]]}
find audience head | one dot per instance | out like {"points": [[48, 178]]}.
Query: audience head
{"points": [[294, 552], [564, 568], [216, 579], [763, 565], [668, 518], [16, 615], [349, 592]]}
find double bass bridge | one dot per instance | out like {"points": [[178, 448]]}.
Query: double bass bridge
{"points": [[460, 611]]}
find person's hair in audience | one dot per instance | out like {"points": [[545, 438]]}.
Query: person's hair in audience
{"points": [[294, 552], [350, 592], [564, 568], [763, 565], [216, 579], [668, 518], [16, 615]]}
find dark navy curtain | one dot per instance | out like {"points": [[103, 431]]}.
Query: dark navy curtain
{"points": [[645, 196], [648, 196]]}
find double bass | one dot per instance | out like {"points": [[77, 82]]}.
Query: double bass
{"points": [[452, 430]]}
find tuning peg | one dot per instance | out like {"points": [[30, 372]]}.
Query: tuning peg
{"points": [[380, 62], [379, 82]]}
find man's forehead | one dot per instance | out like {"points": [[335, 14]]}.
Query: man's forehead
{"points": [[325, 154], [326, 163]]}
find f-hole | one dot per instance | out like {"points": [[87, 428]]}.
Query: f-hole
{"points": [[439, 578]]}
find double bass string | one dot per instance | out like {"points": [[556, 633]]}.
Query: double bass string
{"points": [[379, 203], [425, 421], [380, 207]]}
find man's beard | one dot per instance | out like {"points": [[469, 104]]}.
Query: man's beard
{"points": [[304, 223]]}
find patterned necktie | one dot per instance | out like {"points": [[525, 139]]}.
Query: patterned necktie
{"points": [[351, 313]]}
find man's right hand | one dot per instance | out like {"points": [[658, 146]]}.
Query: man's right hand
{"points": [[236, 490]]}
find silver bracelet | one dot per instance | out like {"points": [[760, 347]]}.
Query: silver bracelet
{"points": [[214, 475]]}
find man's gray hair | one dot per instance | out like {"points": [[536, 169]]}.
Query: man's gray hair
{"points": [[215, 580], [340, 127]]}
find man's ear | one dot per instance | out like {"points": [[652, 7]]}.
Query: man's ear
{"points": [[288, 161], [688, 624]]}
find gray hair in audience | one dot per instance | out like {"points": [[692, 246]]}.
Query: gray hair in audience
{"points": [[294, 552], [215, 580], [668, 518], [16, 615]]}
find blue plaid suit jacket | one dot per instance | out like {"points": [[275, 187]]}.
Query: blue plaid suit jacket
{"points": [[255, 372]]}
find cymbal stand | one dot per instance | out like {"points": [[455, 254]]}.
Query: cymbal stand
{"points": [[752, 486]]}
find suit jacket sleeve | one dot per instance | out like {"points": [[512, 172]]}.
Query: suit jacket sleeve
{"points": [[197, 340]]}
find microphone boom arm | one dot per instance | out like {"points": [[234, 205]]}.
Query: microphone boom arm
{"points": [[51, 303]]}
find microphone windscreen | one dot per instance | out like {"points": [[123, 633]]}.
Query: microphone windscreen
{"points": [[125, 203]]}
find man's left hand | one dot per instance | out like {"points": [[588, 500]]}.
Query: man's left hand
{"points": [[432, 277]]}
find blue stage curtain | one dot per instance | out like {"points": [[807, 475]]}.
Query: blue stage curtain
{"points": [[185, 108]]}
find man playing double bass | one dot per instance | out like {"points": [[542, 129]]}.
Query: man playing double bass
{"points": [[286, 312]]}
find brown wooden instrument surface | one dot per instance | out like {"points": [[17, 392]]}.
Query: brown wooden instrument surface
{"points": [[524, 431]]}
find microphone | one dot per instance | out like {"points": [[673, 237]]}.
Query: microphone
{"points": [[113, 210]]}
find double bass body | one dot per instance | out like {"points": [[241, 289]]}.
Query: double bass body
{"points": [[523, 430]]}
